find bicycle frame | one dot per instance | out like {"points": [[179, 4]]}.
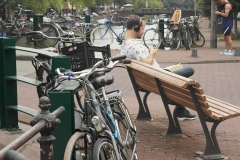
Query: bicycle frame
{"points": [[109, 27]]}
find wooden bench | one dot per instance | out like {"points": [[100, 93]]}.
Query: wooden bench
{"points": [[178, 90]]}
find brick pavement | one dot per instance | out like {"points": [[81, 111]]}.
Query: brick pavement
{"points": [[219, 80]]}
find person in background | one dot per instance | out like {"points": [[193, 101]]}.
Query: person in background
{"points": [[227, 24], [133, 49]]}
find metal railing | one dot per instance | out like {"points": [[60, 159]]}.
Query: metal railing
{"points": [[44, 123]]}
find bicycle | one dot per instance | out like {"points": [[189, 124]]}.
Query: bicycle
{"points": [[102, 35], [184, 29], [198, 38], [19, 29], [103, 115], [152, 38], [80, 32]]}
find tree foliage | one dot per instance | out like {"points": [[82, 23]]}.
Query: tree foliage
{"points": [[38, 6], [151, 3], [182, 4]]}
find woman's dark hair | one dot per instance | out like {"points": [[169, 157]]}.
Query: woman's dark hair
{"points": [[132, 21]]}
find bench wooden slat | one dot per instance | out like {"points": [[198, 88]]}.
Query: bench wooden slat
{"points": [[184, 102], [226, 110], [222, 114], [183, 93], [150, 81], [160, 73], [225, 104], [153, 88]]}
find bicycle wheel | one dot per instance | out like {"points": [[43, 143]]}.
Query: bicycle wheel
{"points": [[126, 128], [103, 150], [189, 39], [186, 39], [50, 31], [44, 74], [78, 148], [152, 38], [99, 37], [198, 39], [174, 39]]}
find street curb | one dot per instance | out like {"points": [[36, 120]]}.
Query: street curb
{"points": [[212, 61], [29, 58]]}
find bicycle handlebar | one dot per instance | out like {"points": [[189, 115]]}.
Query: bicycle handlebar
{"points": [[87, 72], [61, 38]]}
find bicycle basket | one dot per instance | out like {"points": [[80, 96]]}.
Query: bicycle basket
{"points": [[84, 56]]}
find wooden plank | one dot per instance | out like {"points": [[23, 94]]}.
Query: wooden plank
{"points": [[149, 88], [186, 103], [160, 73], [223, 114], [150, 81], [226, 110], [35, 51], [25, 80], [27, 110], [225, 104]]}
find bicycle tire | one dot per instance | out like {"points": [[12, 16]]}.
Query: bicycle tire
{"points": [[174, 39], [152, 38], [186, 39], [124, 123], [189, 38], [97, 39], [107, 152], [75, 150], [50, 31], [198, 39], [45, 76]]}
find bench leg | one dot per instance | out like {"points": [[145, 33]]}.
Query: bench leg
{"points": [[174, 129], [143, 113], [212, 150]]}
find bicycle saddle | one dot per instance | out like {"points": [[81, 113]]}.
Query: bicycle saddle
{"points": [[102, 81]]}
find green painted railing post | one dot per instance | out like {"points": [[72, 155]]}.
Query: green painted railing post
{"points": [[37, 19], [8, 89], [63, 96], [60, 61], [87, 20]]}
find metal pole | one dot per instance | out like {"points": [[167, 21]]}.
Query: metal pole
{"points": [[195, 8], [213, 38], [23, 138]]}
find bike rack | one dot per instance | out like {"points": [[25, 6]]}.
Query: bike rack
{"points": [[9, 106]]}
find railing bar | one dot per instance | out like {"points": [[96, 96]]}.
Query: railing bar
{"points": [[17, 143]]}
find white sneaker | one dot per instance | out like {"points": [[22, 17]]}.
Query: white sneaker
{"points": [[223, 52], [229, 53]]}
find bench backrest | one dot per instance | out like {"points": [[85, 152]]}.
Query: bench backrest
{"points": [[175, 87]]}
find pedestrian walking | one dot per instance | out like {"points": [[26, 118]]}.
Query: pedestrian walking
{"points": [[227, 24]]}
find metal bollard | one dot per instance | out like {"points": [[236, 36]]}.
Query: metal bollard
{"points": [[46, 140], [161, 30]]}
